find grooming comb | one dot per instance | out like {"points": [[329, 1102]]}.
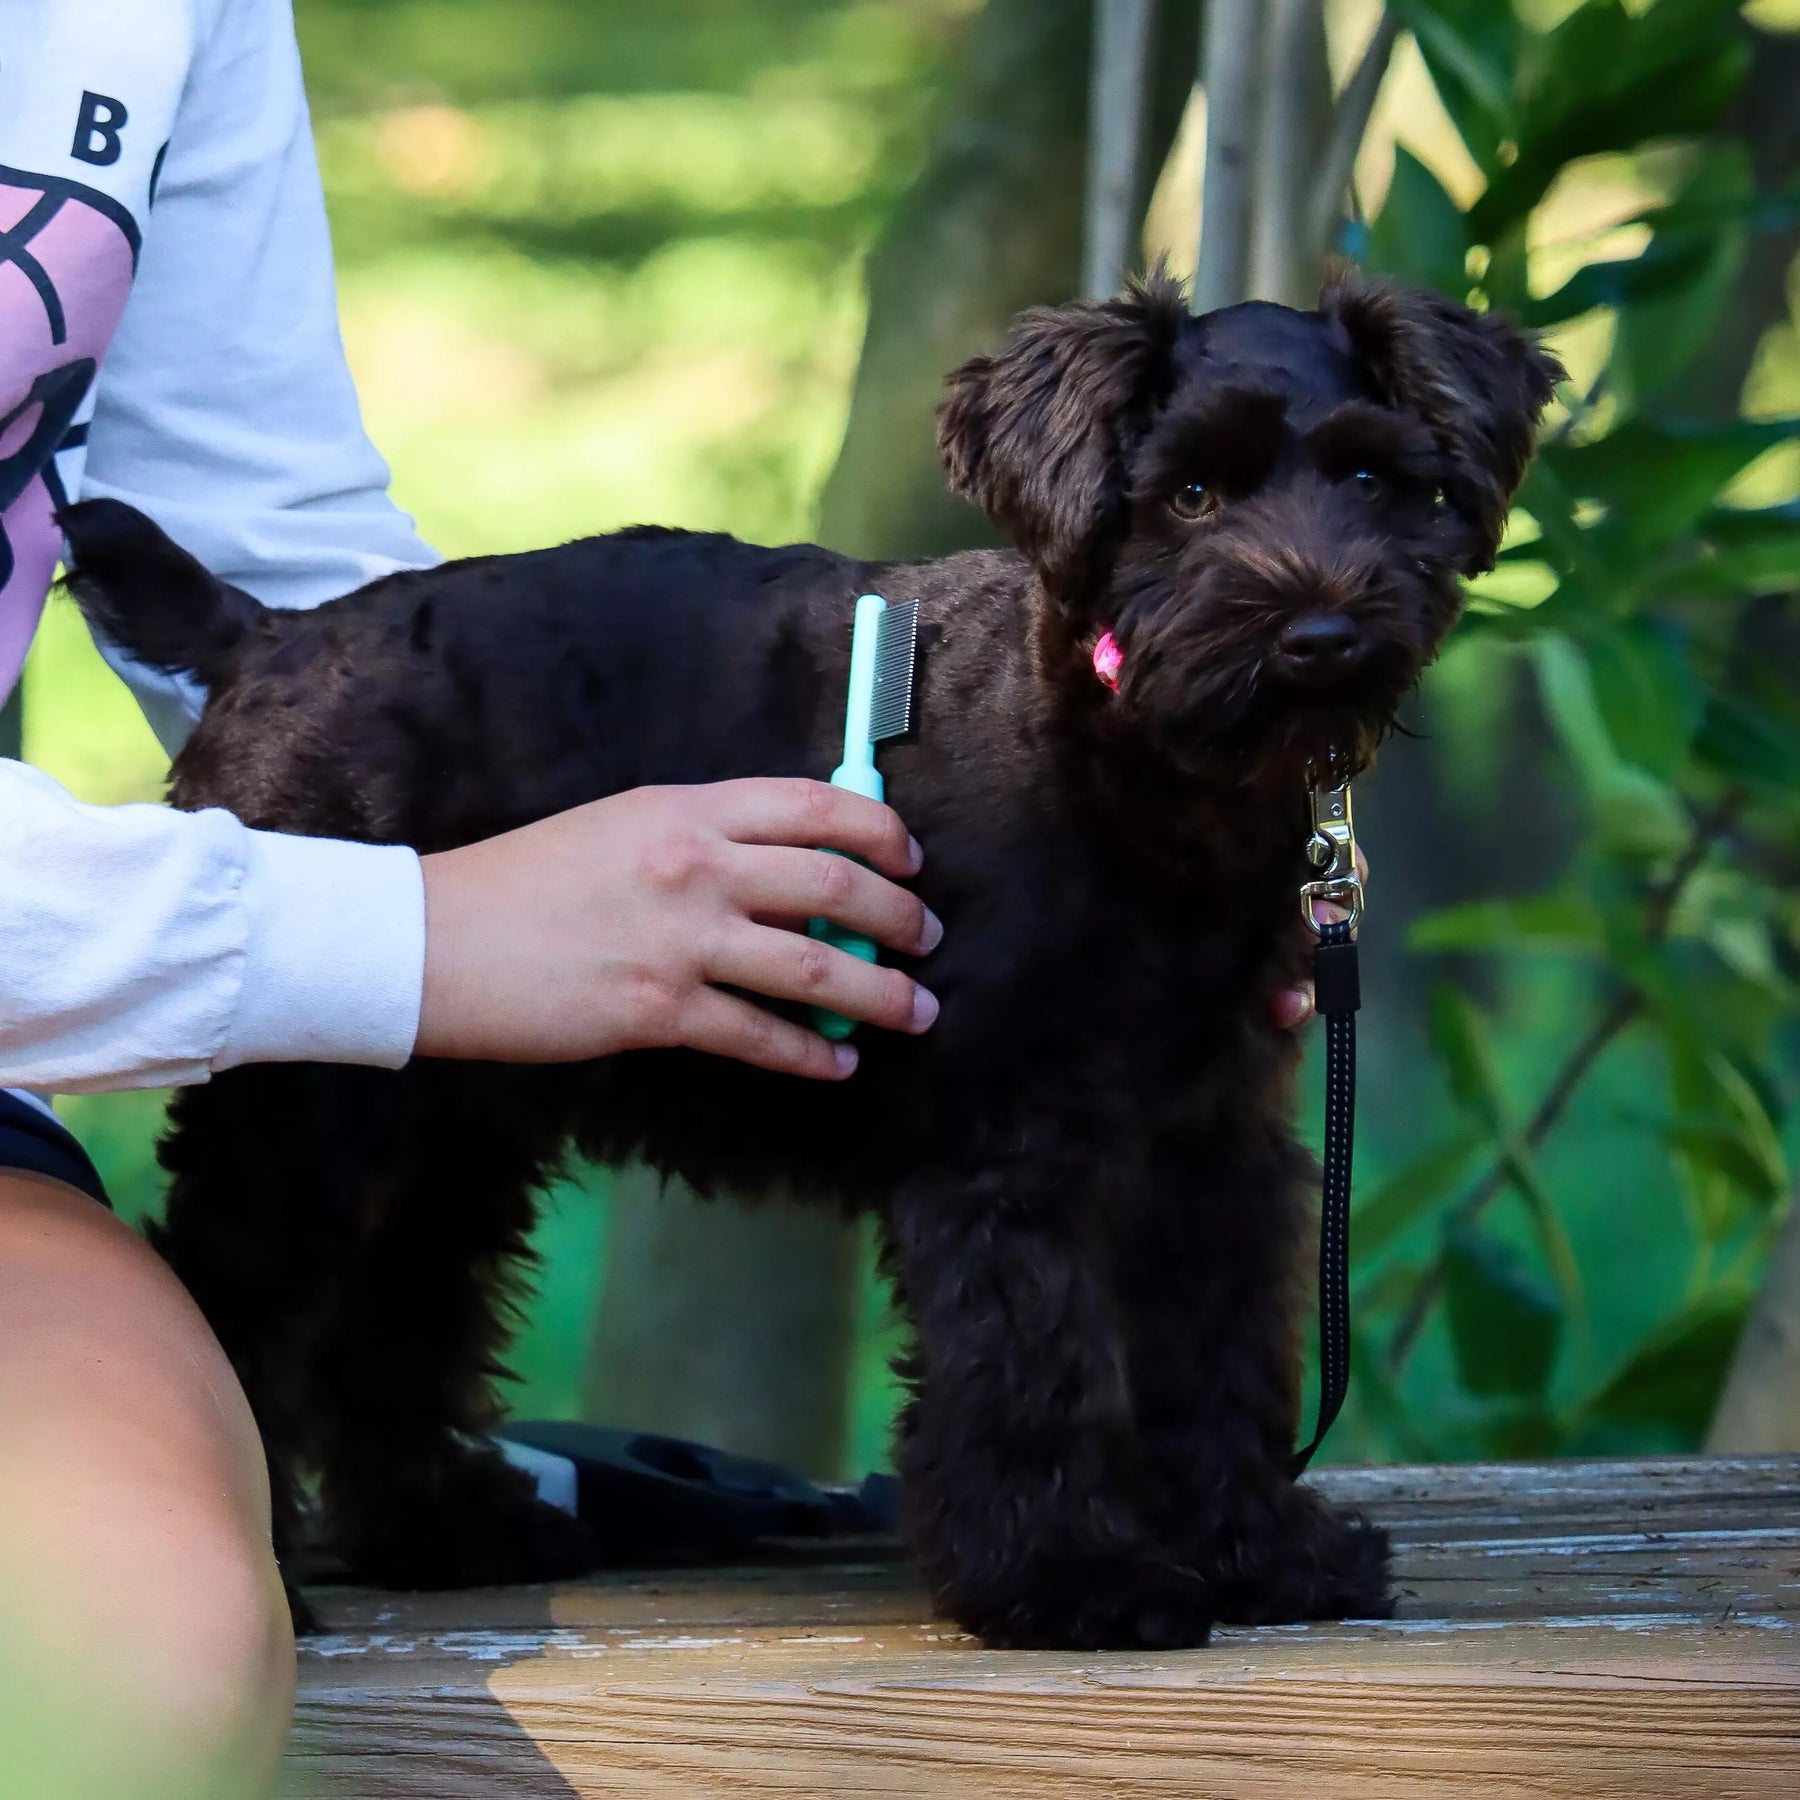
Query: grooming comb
{"points": [[883, 649]]}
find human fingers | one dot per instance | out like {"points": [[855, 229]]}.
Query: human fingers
{"points": [[1293, 1006], [727, 1025], [814, 815], [770, 881], [788, 966]]}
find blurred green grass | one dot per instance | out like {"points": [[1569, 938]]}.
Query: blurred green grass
{"points": [[598, 264]]}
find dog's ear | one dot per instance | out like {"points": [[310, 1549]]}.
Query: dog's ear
{"points": [[1037, 433], [1476, 379]]}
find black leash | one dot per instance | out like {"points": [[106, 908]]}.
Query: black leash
{"points": [[1336, 996]]}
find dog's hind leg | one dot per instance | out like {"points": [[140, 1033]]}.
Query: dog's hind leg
{"points": [[264, 1211], [1017, 1453], [407, 1365], [1210, 1259]]}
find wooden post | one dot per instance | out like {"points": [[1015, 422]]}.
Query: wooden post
{"points": [[1760, 1406], [727, 1322], [1117, 109], [1231, 68], [1295, 100]]}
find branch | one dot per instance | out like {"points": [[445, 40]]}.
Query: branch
{"points": [[1349, 122], [1295, 119], [1117, 107], [1230, 69], [1659, 911]]}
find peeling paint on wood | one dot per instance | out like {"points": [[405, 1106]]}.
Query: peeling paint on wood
{"points": [[1612, 1631]]}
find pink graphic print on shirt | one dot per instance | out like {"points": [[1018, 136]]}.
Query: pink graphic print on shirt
{"points": [[67, 255]]}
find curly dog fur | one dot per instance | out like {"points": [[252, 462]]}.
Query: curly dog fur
{"points": [[1093, 1207]]}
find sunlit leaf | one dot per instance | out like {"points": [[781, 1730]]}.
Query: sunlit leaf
{"points": [[1470, 48], [1607, 80]]}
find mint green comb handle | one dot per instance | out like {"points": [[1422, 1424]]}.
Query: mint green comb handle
{"points": [[858, 773]]}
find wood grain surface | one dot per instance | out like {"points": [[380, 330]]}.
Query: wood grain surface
{"points": [[1617, 1629]]}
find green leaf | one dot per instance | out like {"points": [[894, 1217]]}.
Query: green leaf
{"points": [[1539, 922], [1459, 1035], [1420, 234], [1649, 698], [1746, 554], [1702, 229], [1505, 1325], [1640, 818], [1470, 48], [1411, 1195], [1747, 742], [1655, 483], [1665, 325], [1674, 1376], [1722, 1122], [1553, 1238], [1733, 1154], [1610, 80]]}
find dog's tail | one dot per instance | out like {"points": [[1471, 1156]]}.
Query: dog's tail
{"points": [[139, 589]]}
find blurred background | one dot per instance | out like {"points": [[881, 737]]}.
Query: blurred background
{"points": [[704, 262]]}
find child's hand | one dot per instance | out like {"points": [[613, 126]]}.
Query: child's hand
{"points": [[619, 925]]}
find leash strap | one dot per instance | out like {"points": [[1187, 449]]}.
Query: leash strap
{"points": [[1337, 995]]}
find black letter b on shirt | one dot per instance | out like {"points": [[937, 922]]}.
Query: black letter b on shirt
{"points": [[97, 130]]}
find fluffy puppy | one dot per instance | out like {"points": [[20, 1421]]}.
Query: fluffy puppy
{"points": [[1093, 1205]]}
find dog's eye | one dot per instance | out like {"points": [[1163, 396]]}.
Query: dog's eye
{"points": [[1192, 501], [1369, 486]]}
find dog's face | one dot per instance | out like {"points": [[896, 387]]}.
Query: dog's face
{"points": [[1269, 510]]}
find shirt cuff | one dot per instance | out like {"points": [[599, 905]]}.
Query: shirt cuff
{"points": [[334, 960]]}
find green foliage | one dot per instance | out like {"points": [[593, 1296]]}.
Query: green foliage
{"points": [[1647, 587]]}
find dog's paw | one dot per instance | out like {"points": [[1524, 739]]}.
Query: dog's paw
{"points": [[1354, 1571], [1118, 1604], [478, 1524], [1328, 1565]]}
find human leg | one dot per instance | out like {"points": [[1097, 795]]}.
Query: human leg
{"points": [[144, 1642]]}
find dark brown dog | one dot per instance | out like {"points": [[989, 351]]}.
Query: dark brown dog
{"points": [[1093, 1205]]}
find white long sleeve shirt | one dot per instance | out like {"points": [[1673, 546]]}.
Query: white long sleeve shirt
{"points": [[168, 336]]}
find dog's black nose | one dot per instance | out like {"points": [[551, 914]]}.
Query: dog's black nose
{"points": [[1320, 646]]}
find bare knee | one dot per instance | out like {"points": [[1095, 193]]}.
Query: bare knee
{"points": [[159, 1666], [142, 1620]]}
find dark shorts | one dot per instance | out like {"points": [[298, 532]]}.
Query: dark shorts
{"points": [[34, 1143]]}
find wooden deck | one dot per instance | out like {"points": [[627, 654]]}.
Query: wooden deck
{"points": [[1593, 1630]]}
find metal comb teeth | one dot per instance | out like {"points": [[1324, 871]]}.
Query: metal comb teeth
{"points": [[896, 651]]}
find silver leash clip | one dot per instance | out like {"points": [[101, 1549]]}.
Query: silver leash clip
{"points": [[1331, 849]]}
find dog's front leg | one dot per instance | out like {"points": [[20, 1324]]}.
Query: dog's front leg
{"points": [[1018, 1457], [1212, 1262]]}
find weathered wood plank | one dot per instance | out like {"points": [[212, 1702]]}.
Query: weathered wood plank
{"points": [[1602, 1630]]}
